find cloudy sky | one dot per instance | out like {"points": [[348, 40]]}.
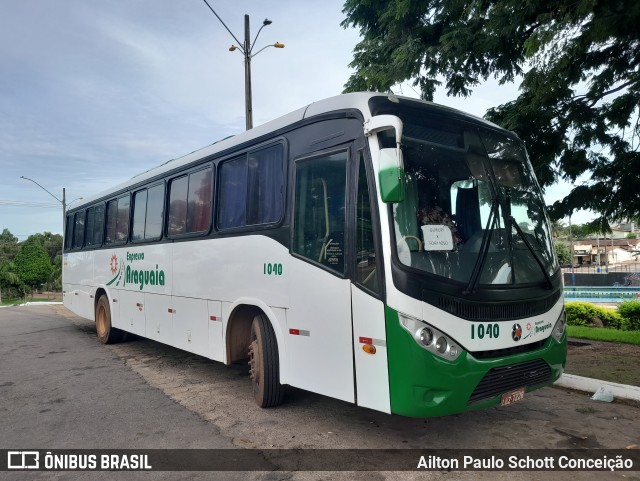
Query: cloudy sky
{"points": [[94, 92]]}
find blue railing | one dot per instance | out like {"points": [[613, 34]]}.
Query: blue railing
{"points": [[601, 294]]}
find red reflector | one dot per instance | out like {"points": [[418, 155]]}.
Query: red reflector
{"points": [[366, 340], [295, 332], [170, 311], [213, 318]]}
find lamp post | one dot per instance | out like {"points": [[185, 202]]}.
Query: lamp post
{"points": [[64, 207], [246, 48], [63, 202]]}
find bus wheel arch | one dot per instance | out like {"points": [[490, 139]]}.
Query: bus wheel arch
{"points": [[252, 335]]}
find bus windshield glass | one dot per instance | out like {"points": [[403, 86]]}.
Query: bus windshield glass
{"points": [[473, 211]]}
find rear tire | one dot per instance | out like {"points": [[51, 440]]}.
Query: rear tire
{"points": [[107, 334], [264, 364]]}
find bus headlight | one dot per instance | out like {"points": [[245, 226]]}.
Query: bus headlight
{"points": [[431, 339], [561, 325], [441, 345], [426, 336]]}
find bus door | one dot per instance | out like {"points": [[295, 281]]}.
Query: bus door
{"points": [[369, 334], [319, 332]]}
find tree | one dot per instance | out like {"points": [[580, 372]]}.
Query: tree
{"points": [[8, 246], [579, 67], [563, 252], [8, 276], [52, 243], [32, 264]]}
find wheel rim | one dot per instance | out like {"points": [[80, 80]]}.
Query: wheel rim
{"points": [[254, 364]]}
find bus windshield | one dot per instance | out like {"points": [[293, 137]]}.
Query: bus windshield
{"points": [[473, 211]]}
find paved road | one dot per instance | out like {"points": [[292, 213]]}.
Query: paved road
{"points": [[60, 388]]}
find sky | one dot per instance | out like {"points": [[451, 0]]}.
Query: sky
{"points": [[95, 92]]}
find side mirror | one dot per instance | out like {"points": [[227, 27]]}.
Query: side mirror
{"points": [[391, 171], [391, 175]]}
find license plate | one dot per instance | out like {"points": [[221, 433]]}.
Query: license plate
{"points": [[512, 397]]}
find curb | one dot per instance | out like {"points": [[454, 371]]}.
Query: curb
{"points": [[43, 303], [588, 384]]}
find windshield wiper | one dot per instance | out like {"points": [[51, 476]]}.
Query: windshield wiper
{"points": [[484, 248], [532, 250]]}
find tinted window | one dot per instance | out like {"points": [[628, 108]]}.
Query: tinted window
{"points": [[117, 221], [320, 210], [190, 203], [68, 233], [199, 201], [366, 272], [155, 210], [178, 206], [233, 193], [139, 214], [252, 188], [122, 226], [78, 230], [112, 212], [95, 234], [91, 220]]}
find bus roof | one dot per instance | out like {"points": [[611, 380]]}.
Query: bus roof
{"points": [[356, 100]]}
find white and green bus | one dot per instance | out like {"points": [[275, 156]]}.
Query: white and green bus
{"points": [[377, 249]]}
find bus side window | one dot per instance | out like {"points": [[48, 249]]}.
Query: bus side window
{"points": [[68, 232], [320, 210], [78, 230], [366, 272]]}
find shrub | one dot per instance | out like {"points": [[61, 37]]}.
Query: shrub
{"points": [[630, 312], [587, 314]]}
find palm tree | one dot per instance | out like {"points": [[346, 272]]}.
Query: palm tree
{"points": [[8, 276]]}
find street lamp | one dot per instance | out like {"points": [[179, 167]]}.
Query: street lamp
{"points": [[246, 48], [63, 202]]}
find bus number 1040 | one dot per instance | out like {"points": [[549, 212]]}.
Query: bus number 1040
{"points": [[272, 269], [481, 330]]}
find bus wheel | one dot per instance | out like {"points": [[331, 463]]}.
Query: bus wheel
{"points": [[107, 334], [263, 363]]}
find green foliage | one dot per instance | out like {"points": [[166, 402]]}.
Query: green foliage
{"points": [[8, 246], [630, 312], [632, 235], [52, 243], [578, 63], [563, 252], [32, 264], [587, 314]]}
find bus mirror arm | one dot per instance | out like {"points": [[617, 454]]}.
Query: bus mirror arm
{"points": [[391, 164]]}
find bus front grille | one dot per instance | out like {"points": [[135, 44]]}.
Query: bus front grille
{"points": [[507, 378], [508, 351]]}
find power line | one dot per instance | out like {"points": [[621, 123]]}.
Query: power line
{"points": [[21, 203]]}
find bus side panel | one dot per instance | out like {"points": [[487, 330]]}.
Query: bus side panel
{"points": [[190, 325], [319, 335], [159, 317], [215, 346], [372, 371], [78, 283], [226, 269]]}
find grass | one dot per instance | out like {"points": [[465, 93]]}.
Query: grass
{"points": [[604, 334]]}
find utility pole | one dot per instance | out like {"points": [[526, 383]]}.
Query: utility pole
{"points": [[246, 48]]}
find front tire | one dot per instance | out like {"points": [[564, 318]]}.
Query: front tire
{"points": [[107, 334], [264, 364]]}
